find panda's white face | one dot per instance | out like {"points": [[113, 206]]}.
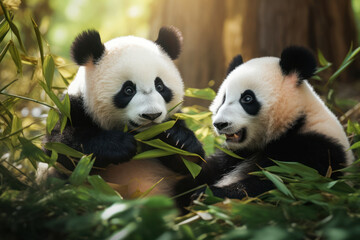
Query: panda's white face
{"points": [[247, 104], [135, 84]]}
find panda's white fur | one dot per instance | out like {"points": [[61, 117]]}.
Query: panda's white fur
{"points": [[141, 61], [128, 58], [281, 103], [101, 110]]}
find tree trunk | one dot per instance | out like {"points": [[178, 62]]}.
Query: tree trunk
{"points": [[201, 23], [266, 27], [214, 31]]}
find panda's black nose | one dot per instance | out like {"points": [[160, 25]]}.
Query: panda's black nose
{"points": [[150, 116], [221, 125]]}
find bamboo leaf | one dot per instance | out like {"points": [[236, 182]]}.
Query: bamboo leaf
{"points": [[13, 27], [55, 99], [10, 180], [318, 70], [16, 129], [193, 168], [323, 62], [174, 107], [347, 57], [67, 106], [355, 145], [101, 186], [32, 152], [196, 117], [4, 29], [39, 40], [63, 123], [82, 170], [63, 149], [7, 85], [150, 189], [228, 152], [278, 183], [297, 168], [354, 53], [205, 93], [339, 71], [157, 143], [54, 156], [16, 132], [4, 51], [16, 57], [65, 80], [154, 130], [26, 98], [126, 128], [29, 60], [48, 70], [154, 153], [52, 119]]}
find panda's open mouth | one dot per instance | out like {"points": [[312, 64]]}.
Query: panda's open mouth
{"points": [[236, 137]]}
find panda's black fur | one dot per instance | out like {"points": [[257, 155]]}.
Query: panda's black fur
{"points": [[310, 149], [84, 135], [228, 176], [111, 145], [87, 45]]}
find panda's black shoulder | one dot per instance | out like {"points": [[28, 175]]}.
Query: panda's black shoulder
{"points": [[313, 149], [78, 113]]}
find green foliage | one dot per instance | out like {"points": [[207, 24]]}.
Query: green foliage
{"points": [[193, 167], [312, 210], [304, 205], [70, 212], [154, 131]]}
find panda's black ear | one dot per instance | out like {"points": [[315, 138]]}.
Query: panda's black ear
{"points": [[86, 47], [298, 60], [237, 61], [170, 40]]}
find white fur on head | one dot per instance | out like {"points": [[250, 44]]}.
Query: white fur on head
{"points": [[264, 83], [128, 58]]}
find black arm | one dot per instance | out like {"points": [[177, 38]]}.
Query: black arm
{"points": [[314, 150], [85, 136]]}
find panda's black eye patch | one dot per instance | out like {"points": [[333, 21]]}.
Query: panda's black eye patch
{"points": [[124, 96], [249, 102], [164, 91]]}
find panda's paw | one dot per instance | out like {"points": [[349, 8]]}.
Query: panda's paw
{"points": [[128, 147], [183, 138]]}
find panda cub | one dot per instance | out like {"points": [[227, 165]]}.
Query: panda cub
{"points": [[128, 82], [267, 110]]}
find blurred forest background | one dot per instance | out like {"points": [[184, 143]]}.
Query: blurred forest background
{"points": [[214, 31]]}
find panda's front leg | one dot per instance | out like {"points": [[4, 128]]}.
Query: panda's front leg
{"points": [[181, 137], [109, 146]]}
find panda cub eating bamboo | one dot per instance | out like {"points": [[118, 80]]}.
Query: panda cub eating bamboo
{"points": [[267, 110], [133, 82]]}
